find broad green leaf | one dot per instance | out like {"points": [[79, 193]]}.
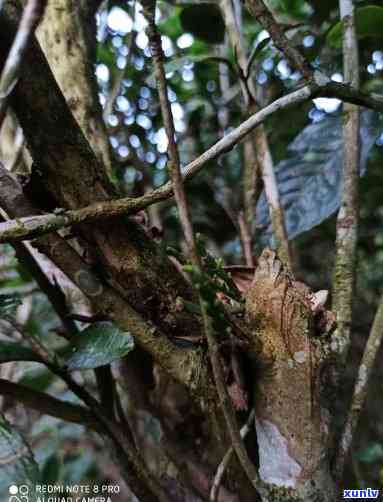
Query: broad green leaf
{"points": [[12, 351], [204, 21], [18, 469], [98, 345], [369, 22], [310, 178], [9, 304]]}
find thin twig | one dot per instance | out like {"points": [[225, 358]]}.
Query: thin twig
{"points": [[226, 459], [348, 216], [174, 168], [31, 17], [371, 350], [180, 196]]}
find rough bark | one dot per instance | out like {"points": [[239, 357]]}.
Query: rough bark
{"points": [[68, 38], [291, 420]]}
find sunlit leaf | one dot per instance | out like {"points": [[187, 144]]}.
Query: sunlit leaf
{"points": [[310, 180], [18, 469], [368, 20], [99, 344]]}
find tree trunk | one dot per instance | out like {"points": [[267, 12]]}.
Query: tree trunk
{"points": [[292, 421]]}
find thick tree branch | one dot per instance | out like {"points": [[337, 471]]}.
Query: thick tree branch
{"points": [[48, 405], [185, 366], [68, 38]]}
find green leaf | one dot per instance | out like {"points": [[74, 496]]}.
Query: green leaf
{"points": [[18, 469], [204, 21], [368, 20], [12, 351], [51, 471], [37, 379], [255, 53], [9, 304], [371, 454], [98, 345]]}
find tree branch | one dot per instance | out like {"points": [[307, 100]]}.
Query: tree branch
{"points": [[69, 171], [258, 147], [348, 216], [373, 345], [226, 459], [33, 226], [145, 486], [31, 17], [266, 19], [48, 405], [185, 366]]}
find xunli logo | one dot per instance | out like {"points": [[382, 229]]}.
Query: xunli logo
{"points": [[368, 493]]}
